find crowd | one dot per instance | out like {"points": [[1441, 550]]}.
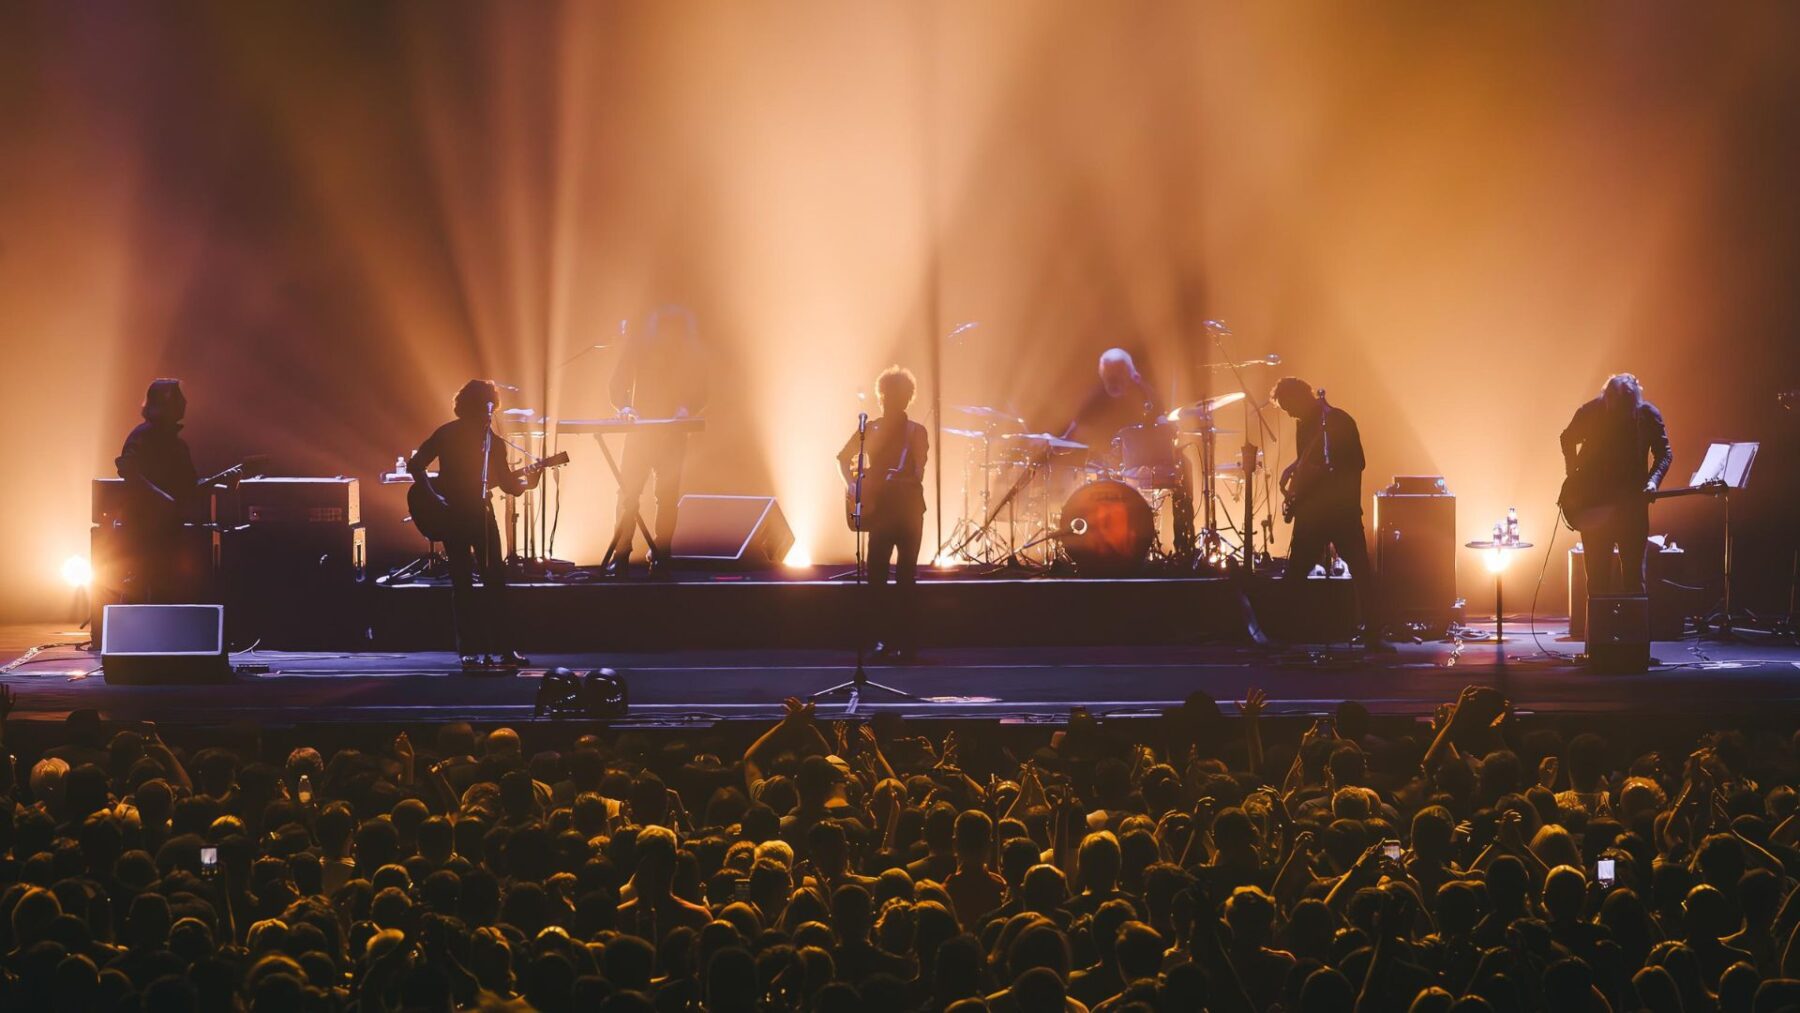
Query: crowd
{"points": [[1207, 861]]}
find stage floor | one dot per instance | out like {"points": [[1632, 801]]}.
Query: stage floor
{"points": [[1757, 679]]}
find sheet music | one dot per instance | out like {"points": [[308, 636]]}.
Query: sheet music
{"points": [[1728, 463]]}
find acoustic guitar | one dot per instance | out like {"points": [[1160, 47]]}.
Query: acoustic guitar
{"points": [[434, 518]]}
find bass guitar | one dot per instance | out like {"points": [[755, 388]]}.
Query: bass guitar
{"points": [[1580, 501], [434, 518], [1309, 471]]}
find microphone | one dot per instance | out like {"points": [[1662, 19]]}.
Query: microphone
{"points": [[506, 386], [1272, 359], [862, 422], [1216, 326]]}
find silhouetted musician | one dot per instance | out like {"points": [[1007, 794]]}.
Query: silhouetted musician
{"points": [[661, 375]]}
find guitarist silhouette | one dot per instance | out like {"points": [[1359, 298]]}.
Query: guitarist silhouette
{"points": [[1615, 452], [893, 506], [1322, 495], [472, 460], [163, 494]]}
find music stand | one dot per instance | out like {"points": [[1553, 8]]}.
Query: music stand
{"points": [[1728, 463]]}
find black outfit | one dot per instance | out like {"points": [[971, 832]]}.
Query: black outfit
{"points": [[473, 544], [1328, 511], [1102, 415], [1617, 456], [657, 377], [157, 571], [893, 495]]}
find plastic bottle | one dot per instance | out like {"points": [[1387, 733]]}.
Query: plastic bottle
{"points": [[1512, 525], [305, 789], [400, 465]]}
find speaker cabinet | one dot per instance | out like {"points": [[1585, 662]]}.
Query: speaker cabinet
{"points": [[745, 530], [1415, 554], [163, 644], [1618, 633]]}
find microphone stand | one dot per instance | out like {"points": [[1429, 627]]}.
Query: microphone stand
{"points": [[1253, 408], [859, 681]]}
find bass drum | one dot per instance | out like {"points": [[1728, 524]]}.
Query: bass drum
{"points": [[1107, 529]]}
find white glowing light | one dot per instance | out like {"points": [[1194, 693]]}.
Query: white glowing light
{"points": [[77, 571], [947, 562], [798, 557], [1496, 560]]}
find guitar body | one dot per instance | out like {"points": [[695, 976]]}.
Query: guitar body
{"points": [[1582, 505], [430, 515], [436, 521]]}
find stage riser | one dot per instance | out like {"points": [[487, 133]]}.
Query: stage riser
{"points": [[732, 614]]}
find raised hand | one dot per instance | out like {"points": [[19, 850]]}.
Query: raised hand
{"points": [[403, 748], [1252, 705], [1547, 771]]}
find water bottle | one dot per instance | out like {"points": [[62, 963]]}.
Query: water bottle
{"points": [[1499, 534], [400, 465], [305, 790], [1512, 525]]}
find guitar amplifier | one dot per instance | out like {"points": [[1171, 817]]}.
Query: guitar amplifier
{"points": [[1415, 549], [298, 502]]}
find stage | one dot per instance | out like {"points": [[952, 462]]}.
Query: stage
{"points": [[1755, 682]]}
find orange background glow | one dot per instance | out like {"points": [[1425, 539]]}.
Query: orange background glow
{"points": [[1458, 219]]}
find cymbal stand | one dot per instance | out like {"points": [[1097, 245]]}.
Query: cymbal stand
{"points": [[992, 513], [1254, 423]]}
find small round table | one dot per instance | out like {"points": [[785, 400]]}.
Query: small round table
{"points": [[1496, 564]]}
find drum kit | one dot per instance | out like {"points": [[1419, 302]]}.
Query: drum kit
{"points": [[1037, 501]]}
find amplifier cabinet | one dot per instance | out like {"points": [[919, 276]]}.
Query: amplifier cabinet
{"points": [[1415, 554]]}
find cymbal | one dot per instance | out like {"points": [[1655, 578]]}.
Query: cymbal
{"points": [[1046, 440], [1212, 431], [1207, 405], [967, 434], [976, 411]]}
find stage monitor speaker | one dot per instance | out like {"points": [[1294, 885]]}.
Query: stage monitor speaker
{"points": [[1670, 602], [163, 644], [746, 530], [1618, 633], [1415, 549]]}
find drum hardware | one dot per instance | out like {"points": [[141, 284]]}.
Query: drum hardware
{"points": [[1250, 455]]}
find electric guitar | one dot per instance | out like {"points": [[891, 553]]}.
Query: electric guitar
{"points": [[187, 507], [1309, 471], [1579, 499], [872, 490], [435, 519]]}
